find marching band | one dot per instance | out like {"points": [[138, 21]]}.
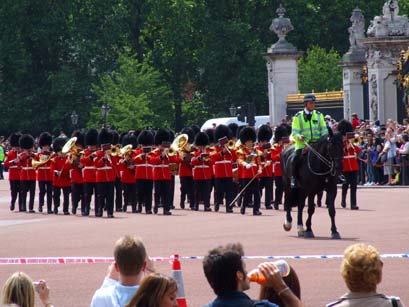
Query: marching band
{"points": [[102, 166]]}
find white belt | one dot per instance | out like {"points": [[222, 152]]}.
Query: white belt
{"points": [[222, 162], [27, 168], [146, 165], [201, 166], [13, 167], [44, 167], [88, 167], [104, 168], [161, 165], [350, 156]]}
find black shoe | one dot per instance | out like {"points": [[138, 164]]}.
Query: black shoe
{"points": [[269, 207], [66, 213], [55, 210], [216, 207], [182, 205], [155, 210], [139, 209], [124, 209], [118, 209], [276, 206], [229, 210], [49, 211], [110, 216], [98, 214], [31, 211], [355, 208], [343, 204], [74, 211], [83, 214], [149, 212], [40, 209], [12, 207], [243, 210], [207, 209], [195, 208], [167, 212], [257, 213]]}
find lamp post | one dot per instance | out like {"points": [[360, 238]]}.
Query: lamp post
{"points": [[233, 110], [104, 112], [74, 119]]}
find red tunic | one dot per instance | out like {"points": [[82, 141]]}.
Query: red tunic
{"points": [[88, 171], [242, 156], [144, 169], [202, 169], [44, 171], [161, 169], [222, 163], [12, 164], [350, 162], [266, 162], [185, 167], [276, 151], [104, 167], [61, 172], [76, 171], [127, 171], [27, 172]]}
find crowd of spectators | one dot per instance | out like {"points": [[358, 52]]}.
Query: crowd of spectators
{"points": [[132, 281]]}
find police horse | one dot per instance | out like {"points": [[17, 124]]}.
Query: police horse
{"points": [[318, 170]]}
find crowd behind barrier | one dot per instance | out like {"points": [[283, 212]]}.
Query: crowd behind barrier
{"points": [[132, 281]]}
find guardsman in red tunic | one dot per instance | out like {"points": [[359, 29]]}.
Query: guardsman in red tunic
{"points": [[249, 158], [105, 175], [43, 167], [223, 159], [60, 169], [144, 170], [202, 172], [11, 163], [186, 170], [127, 172], [266, 177], [161, 158], [27, 172], [88, 170], [115, 160], [350, 165], [281, 134], [77, 184]]}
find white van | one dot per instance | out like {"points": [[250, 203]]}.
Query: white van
{"points": [[214, 122]]}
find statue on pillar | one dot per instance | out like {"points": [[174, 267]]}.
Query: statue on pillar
{"points": [[357, 30], [281, 26]]}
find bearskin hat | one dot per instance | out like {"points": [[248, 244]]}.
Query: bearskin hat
{"points": [[115, 137], [145, 138], [345, 126], [162, 135], [80, 138], [121, 138], [171, 135], [222, 131], [26, 141], [133, 140], [14, 139], [91, 138], [246, 134], [264, 133], [201, 139], [105, 137], [59, 143], [45, 139], [195, 128], [234, 129], [190, 132], [210, 135], [280, 131]]}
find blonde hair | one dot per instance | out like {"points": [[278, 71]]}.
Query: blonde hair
{"points": [[19, 290], [130, 255], [361, 268], [152, 290]]}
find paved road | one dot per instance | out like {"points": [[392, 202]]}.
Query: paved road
{"points": [[382, 221]]}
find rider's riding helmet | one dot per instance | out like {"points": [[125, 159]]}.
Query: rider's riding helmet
{"points": [[309, 98]]}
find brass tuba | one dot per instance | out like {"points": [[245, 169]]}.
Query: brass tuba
{"points": [[180, 143], [126, 150], [70, 147]]}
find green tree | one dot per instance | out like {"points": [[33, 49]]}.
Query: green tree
{"points": [[136, 94], [319, 71]]}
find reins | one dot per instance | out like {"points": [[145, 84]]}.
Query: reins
{"points": [[328, 163]]}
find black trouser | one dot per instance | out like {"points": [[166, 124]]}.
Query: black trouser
{"points": [[27, 186], [267, 184], [253, 190], [129, 190], [105, 198], [224, 187], [171, 191], [118, 194], [46, 187], [162, 194], [77, 196], [66, 198], [89, 190], [278, 180], [202, 192], [15, 191], [1, 169], [351, 180], [145, 188], [187, 189]]}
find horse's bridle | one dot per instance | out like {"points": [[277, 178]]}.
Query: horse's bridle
{"points": [[329, 163]]}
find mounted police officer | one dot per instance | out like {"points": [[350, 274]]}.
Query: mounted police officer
{"points": [[308, 126]]}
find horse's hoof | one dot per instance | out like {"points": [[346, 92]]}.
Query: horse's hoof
{"points": [[309, 234], [300, 231], [335, 236], [287, 225]]}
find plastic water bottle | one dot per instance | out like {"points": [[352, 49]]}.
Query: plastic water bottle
{"points": [[256, 276]]}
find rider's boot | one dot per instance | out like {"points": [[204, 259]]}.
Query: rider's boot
{"points": [[296, 159]]}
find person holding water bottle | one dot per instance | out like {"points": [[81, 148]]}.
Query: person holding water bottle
{"points": [[226, 273]]}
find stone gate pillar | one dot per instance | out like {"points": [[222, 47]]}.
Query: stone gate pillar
{"points": [[282, 68]]}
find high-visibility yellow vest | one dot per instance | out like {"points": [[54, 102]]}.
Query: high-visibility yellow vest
{"points": [[311, 130]]}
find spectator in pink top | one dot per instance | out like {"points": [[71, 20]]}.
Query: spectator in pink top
{"points": [[355, 121]]}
